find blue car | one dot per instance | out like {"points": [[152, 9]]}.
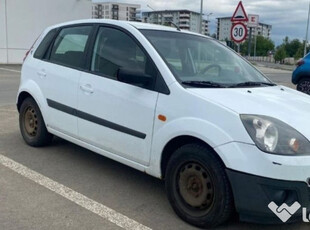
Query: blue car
{"points": [[301, 75]]}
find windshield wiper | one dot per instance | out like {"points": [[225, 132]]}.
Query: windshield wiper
{"points": [[252, 83], [204, 84]]}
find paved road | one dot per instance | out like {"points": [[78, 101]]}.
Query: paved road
{"points": [[9, 81], [47, 190], [276, 65], [282, 77]]}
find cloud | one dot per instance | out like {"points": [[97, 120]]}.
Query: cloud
{"points": [[287, 17]]}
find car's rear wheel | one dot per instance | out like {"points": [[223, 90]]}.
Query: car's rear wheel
{"points": [[304, 86], [197, 186], [32, 125]]}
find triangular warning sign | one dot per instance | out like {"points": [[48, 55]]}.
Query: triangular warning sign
{"points": [[240, 14]]}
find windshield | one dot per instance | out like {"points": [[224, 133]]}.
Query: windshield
{"points": [[200, 61]]}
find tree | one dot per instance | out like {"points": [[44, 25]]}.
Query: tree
{"points": [[292, 47], [300, 53], [244, 48], [263, 45], [280, 54]]}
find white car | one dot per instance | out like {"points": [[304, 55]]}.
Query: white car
{"points": [[177, 105]]}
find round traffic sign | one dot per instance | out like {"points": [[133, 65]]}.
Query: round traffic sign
{"points": [[238, 32]]}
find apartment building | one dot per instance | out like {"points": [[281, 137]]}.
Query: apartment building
{"points": [[224, 25], [185, 19], [115, 10]]}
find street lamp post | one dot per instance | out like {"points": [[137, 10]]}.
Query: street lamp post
{"points": [[150, 7], [208, 15], [201, 12], [305, 50], [6, 30]]}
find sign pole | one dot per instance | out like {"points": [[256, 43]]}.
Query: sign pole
{"points": [[253, 24], [201, 18], [307, 31], [255, 44], [249, 43]]}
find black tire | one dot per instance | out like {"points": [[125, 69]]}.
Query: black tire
{"points": [[32, 125], [304, 86], [197, 186]]}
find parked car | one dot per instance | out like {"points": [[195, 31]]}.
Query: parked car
{"points": [[301, 75], [177, 105]]}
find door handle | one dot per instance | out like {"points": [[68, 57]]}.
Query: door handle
{"points": [[41, 74], [87, 88]]}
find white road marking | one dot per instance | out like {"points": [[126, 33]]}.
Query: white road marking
{"points": [[81, 200], [12, 70], [8, 110]]}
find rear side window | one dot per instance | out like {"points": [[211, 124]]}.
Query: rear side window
{"points": [[116, 50], [42, 48], [69, 48]]}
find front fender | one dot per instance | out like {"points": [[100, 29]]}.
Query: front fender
{"points": [[198, 128], [299, 74]]}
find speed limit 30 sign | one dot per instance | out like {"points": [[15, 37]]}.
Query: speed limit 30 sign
{"points": [[238, 32]]}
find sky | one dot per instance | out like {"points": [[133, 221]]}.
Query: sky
{"points": [[287, 17]]}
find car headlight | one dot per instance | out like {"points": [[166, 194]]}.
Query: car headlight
{"points": [[274, 136]]}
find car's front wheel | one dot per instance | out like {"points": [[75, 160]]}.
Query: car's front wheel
{"points": [[197, 186], [304, 86], [32, 125]]}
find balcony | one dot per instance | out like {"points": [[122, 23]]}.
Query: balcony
{"points": [[184, 26], [184, 20], [185, 15], [115, 7], [132, 10], [167, 15]]}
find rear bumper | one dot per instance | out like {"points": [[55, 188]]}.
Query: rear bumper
{"points": [[252, 195]]}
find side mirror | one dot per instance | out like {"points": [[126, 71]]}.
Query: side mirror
{"points": [[134, 77]]}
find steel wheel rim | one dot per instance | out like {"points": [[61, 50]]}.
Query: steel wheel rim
{"points": [[31, 121], [195, 187], [304, 87]]}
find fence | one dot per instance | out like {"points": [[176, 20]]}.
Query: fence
{"points": [[288, 61]]}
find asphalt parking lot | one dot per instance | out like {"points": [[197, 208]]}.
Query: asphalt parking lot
{"points": [[64, 186]]}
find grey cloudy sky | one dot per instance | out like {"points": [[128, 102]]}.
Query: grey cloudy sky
{"points": [[288, 17]]}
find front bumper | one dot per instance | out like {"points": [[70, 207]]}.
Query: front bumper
{"points": [[252, 195], [295, 77], [249, 159], [258, 178]]}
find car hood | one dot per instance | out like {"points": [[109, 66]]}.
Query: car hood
{"points": [[285, 104]]}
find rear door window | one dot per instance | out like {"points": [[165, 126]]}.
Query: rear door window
{"points": [[69, 48], [42, 48]]}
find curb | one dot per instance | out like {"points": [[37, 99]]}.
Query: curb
{"points": [[280, 67]]}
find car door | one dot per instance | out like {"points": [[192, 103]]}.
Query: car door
{"points": [[59, 76], [115, 116]]}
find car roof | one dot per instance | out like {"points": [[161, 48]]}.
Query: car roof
{"points": [[137, 25]]}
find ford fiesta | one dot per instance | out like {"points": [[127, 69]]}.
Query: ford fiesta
{"points": [[177, 105]]}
